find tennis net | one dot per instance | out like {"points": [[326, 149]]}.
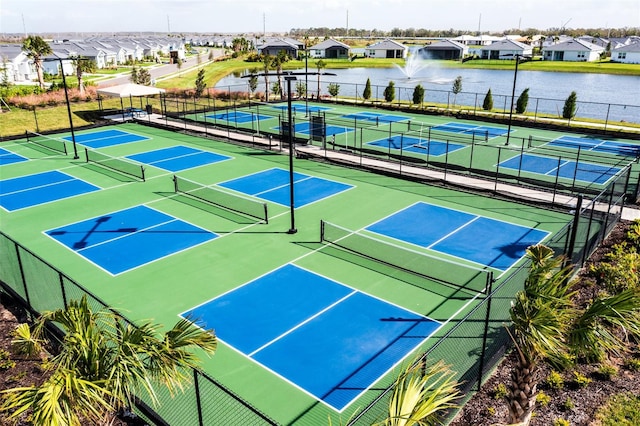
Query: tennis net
{"points": [[53, 144], [227, 200], [421, 264], [118, 164]]}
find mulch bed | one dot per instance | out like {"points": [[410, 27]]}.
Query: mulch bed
{"points": [[485, 409]]}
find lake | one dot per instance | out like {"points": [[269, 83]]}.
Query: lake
{"points": [[600, 96]]}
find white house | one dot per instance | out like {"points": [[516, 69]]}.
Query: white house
{"points": [[480, 40], [505, 49], [14, 62], [330, 48], [386, 49], [444, 49], [627, 54], [573, 50]]}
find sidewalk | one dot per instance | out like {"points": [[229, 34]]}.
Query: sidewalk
{"points": [[311, 151]]}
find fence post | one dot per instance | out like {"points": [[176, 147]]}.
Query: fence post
{"points": [[198, 400], [574, 230]]}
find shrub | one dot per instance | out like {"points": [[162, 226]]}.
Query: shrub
{"points": [[554, 380], [491, 411], [561, 422], [580, 379], [567, 405], [5, 360], [607, 371], [500, 391], [619, 271], [543, 399], [632, 364]]}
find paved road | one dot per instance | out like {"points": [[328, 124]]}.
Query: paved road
{"points": [[161, 70]]}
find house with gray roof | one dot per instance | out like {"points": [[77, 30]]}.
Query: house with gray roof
{"points": [[18, 67], [627, 54], [273, 47], [330, 49], [444, 49], [573, 50], [505, 49], [386, 49]]}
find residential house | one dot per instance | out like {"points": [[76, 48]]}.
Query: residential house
{"points": [[386, 49], [627, 54], [15, 64], [573, 50], [480, 40], [505, 49], [329, 49], [444, 49], [289, 46]]}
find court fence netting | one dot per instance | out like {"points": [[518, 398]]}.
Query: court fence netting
{"points": [[118, 164], [49, 142], [365, 138], [473, 346], [226, 200]]}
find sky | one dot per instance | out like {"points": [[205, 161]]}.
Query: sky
{"points": [[278, 16]]}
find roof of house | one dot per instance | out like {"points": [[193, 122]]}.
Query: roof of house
{"points": [[633, 47], [386, 45], [280, 42], [445, 45], [326, 44], [575, 45], [506, 44]]}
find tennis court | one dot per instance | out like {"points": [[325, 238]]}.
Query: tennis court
{"points": [[301, 313], [568, 169], [237, 117], [8, 157], [105, 138], [177, 158], [311, 325], [417, 145], [596, 145], [471, 129], [40, 188], [120, 241], [273, 185], [475, 238]]}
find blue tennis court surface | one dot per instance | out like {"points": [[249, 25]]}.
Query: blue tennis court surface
{"points": [[104, 138], [585, 172], [330, 340], [273, 185], [421, 146], [8, 157], [305, 129], [478, 239], [375, 117], [471, 129], [598, 145], [238, 117], [177, 158], [297, 107], [126, 239], [31, 190]]}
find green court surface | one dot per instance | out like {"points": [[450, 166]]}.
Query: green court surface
{"points": [[247, 248]]}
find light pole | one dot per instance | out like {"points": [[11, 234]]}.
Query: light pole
{"points": [[513, 94], [66, 96], [291, 130]]}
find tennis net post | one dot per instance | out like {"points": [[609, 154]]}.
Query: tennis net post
{"points": [[121, 165], [219, 198], [417, 263]]}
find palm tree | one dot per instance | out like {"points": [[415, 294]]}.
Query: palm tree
{"points": [[280, 59], [82, 65], [36, 48], [320, 64], [420, 395], [546, 326], [103, 362], [267, 60]]}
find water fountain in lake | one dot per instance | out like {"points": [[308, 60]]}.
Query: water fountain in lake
{"points": [[412, 65]]}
